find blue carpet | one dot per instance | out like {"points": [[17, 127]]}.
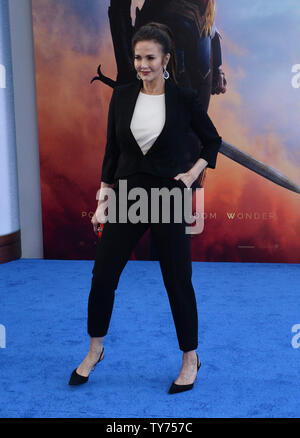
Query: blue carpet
{"points": [[246, 312]]}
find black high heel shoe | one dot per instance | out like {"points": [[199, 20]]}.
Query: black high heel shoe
{"points": [[174, 388], [77, 379]]}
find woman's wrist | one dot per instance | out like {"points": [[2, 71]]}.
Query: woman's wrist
{"points": [[103, 185], [198, 167]]}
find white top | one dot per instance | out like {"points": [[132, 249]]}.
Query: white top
{"points": [[148, 119]]}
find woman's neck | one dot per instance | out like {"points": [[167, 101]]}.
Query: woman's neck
{"points": [[156, 88]]}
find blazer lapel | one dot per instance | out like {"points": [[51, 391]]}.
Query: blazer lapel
{"points": [[170, 120]]}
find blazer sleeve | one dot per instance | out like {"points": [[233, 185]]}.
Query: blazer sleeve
{"points": [[206, 131], [112, 152]]}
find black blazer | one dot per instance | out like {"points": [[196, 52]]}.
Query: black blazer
{"points": [[167, 156]]}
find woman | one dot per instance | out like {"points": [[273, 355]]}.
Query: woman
{"points": [[148, 123]]}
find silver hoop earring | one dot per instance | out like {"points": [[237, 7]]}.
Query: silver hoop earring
{"points": [[166, 73], [138, 76]]}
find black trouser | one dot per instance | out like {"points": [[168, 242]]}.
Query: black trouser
{"points": [[173, 244]]}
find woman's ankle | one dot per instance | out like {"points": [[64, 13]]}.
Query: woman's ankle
{"points": [[96, 344], [96, 349], [189, 355]]}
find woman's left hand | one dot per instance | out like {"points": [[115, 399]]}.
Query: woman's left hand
{"points": [[187, 178]]}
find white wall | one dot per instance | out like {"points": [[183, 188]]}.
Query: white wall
{"points": [[26, 128], [9, 202]]}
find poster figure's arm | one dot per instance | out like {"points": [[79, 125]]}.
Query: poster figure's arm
{"points": [[121, 32], [219, 81], [105, 79]]}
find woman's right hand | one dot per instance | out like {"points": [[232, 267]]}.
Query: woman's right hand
{"points": [[98, 218]]}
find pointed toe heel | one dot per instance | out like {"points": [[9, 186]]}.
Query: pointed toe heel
{"points": [[174, 388], [77, 379]]}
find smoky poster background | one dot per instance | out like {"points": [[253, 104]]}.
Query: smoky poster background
{"points": [[248, 218]]}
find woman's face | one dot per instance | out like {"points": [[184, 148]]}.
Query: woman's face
{"points": [[149, 60]]}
